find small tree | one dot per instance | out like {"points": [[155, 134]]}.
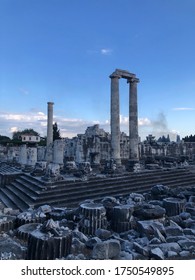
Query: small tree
{"points": [[4, 140], [56, 132]]}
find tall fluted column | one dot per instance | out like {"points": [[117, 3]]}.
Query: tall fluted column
{"points": [[133, 120], [50, 123], [115, 119]]}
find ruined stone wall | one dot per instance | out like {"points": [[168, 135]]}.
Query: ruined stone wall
{"points": [[172, 149], [3, 153], [95, 147]]}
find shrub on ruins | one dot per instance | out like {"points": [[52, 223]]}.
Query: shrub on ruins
{"points": [[4, 140], [189, 138], [56, 132]]}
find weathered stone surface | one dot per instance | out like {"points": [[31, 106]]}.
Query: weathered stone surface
{"points": [[185, 215], [174, 206], [114, 248], [125, 256], [165, 247], [147, 228], [49, 242], [173, 239], [100, 251], [25, 230], [189, 231], [127, 246], [140, 249], [106, 250], [121, 218], [158, 190], [77, 246], [165, 237], [93, 217], [7, 223], [81, 236], [77, 257], [148, 211], [135, 197], [45, 209], [137, 256], [91, 242], [155, 240], [171, 254], [185, 255], [192, 198], [159, 235], [157, 254], [30, 216], [186, 243], [191, 210], [11, 249], [103, 233], [174, 231]]}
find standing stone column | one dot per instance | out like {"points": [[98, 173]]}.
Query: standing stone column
{"points": [[23, 155], [133, 121], [50, 123], [58, 151], [115, 119], [31, 156]]}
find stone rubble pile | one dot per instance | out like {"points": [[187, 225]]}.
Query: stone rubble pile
{"points": [[159, 225]]}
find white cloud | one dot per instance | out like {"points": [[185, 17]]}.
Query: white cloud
{"points": [[70, 127], [13, 129], [124, 120], [24, 91], [183, 109], [103, 51], [106, 51], [11, 122], [23, 117], [41, 114], [141, 121], [144, 122]]}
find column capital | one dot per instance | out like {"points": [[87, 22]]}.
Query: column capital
{"points": [[50, 103], [133, 80], [113, 75]]}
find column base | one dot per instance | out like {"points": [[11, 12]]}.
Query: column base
{"points": [[131, 163], [117, 161]]}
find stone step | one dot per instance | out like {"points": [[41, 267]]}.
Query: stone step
{"points": [[27, 190], [22, 192], [76, 194], [66, 201], [31, 189], [118, 183], [12, 199], [6, 201], [36, 184]]}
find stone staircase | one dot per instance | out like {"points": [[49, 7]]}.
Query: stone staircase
{"points": [[27, 191]]}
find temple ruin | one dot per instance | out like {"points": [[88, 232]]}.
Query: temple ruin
{"points": [[99, 195], [115, 116]]}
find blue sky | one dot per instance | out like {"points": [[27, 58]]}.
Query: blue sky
{"points": [[64, 51]]}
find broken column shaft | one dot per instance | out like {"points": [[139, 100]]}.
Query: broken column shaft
{"points": [[93, 217]]}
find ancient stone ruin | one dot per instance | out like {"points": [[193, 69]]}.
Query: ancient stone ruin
{"points": [[115, 116], [157, 225], [99, 195]]}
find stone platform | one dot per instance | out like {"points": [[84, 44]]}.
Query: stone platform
{"points": [[27, 191]]}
